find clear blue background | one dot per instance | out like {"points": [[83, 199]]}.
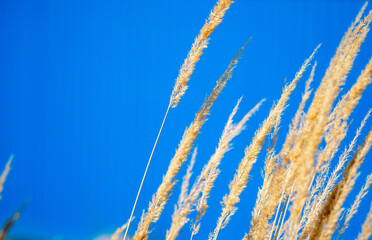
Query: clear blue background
{"points": [[84, 86]]}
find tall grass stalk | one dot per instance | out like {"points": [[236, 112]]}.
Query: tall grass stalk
{"points": [[301, 197], [180, 87], [5, 173]]}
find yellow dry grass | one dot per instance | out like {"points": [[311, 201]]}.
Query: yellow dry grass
{"points": [[300, 197]]}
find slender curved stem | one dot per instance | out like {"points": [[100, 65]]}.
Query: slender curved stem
{"points": [[144, 175]]}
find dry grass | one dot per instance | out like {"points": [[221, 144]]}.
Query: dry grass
{"points": [[200, 43], [5, 174], [300, 197], [367, 227], [10, 222], [180, 87], [187, 142]]}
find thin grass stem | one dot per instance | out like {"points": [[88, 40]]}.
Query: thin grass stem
{"points": [[144, 175]]}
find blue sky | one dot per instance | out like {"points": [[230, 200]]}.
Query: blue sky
{"points": [[84, 86]]}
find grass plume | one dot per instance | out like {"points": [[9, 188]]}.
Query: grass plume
{"points": [[354, 208], [180, 87], [187, 142], [240, 180], [301, 197], [5, 173], [367, 227], [200, 43]]}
